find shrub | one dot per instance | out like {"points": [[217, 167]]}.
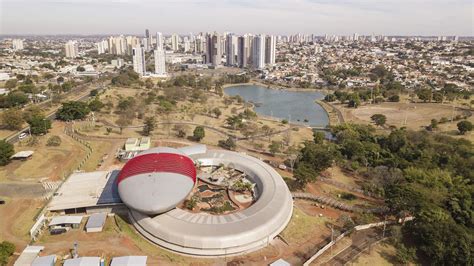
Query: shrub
{"points": [[53, 141]]}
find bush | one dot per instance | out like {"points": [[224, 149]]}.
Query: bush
{"points": [[6, 250], [53, 141], [228, 144], [6, 151]]}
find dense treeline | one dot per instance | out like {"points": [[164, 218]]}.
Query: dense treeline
{"points": [[426, 175]]}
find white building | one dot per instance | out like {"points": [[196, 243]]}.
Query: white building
{"points": [[72, 49], [138, 54], [159, 40], [119, 62], [187, 45], [231, 50], [17, 44], [258, 52], [102, 47], [160, 67], [175, 42], [270, 50], [117, 45]]}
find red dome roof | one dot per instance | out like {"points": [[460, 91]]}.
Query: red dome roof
{"points": [[158, 162]]}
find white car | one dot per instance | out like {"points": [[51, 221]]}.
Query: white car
{"points": [[23, 135]]}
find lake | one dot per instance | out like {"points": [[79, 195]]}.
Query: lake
{"points": [[282, 104]]}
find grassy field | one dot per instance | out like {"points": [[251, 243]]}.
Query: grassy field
{"points": [[301, 227], [381, 254]]}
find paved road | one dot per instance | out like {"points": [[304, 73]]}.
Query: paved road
{"points": [[361, 240], [52, 115]]}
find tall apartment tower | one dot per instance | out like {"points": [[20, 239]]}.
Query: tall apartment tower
{"points": [[231, 50], [159, 40], [102, 47], [213, 49], [186, 45], [270, 50], [258, 52], [138, 55], [160, 66], [17, 44], [175, 42], [72, 49]]}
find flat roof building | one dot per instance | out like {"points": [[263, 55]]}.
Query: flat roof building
{"points": [[83, 261], [28, 255], [96, 222], [129, 261], [44, 261]]}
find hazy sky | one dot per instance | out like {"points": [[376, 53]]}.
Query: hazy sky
{"points": [[396, 17]]}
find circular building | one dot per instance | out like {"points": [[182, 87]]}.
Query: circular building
{"points": [[156, 180], [204, 234]]}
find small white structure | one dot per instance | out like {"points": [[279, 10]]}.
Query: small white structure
{"points": [[96, 222], [280, 262], [28, 255], [129, 261], [83, 261], [66, 221], [44, 261], [22, 155]]}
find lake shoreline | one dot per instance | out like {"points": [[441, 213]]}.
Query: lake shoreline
{"points": [[320, 115], [275, 87]]}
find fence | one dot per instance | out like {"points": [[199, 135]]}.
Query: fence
{"points": [[40, 216]]}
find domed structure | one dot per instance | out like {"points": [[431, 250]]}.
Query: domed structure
{"points": [[156, 180]]}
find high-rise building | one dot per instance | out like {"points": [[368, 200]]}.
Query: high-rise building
{"points": [[147, 33], [175, 42], [199, 44], [258, 52], [231, 50], [138, 55], [72, 49], [118, 45], [159, 40], [270, 50], [213, 49], [187, 45], [17, 44], [160, 67], [145, 42], [102, 47], [244, 50]]}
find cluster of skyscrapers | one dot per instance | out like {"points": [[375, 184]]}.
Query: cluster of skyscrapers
{"points": [[245, 51]]}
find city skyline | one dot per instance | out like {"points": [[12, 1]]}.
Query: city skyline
{"points": [[340, 17]]}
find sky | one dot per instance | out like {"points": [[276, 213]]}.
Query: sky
{"points": [[339, 17]]}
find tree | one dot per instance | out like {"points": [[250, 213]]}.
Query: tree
{"points": [[394, 98], [96, 105], [150, 124], [123, 121], [80, 69], [464, 126], [379, 119], [12, 119], [199, 133], [304, 174], [330, 98], [6, 250], [275, 147], [424, 94], [217, 112], [73, 110], [6, 152], [354, 100], [39, 125], [228, 144], [318, 137]]}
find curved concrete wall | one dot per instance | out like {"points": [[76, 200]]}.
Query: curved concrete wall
{"points": [[202, 234]]}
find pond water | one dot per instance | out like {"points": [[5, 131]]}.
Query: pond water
{"points": [[296, 106]]}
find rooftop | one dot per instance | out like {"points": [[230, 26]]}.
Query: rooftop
{"points": [[80, 190]]}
